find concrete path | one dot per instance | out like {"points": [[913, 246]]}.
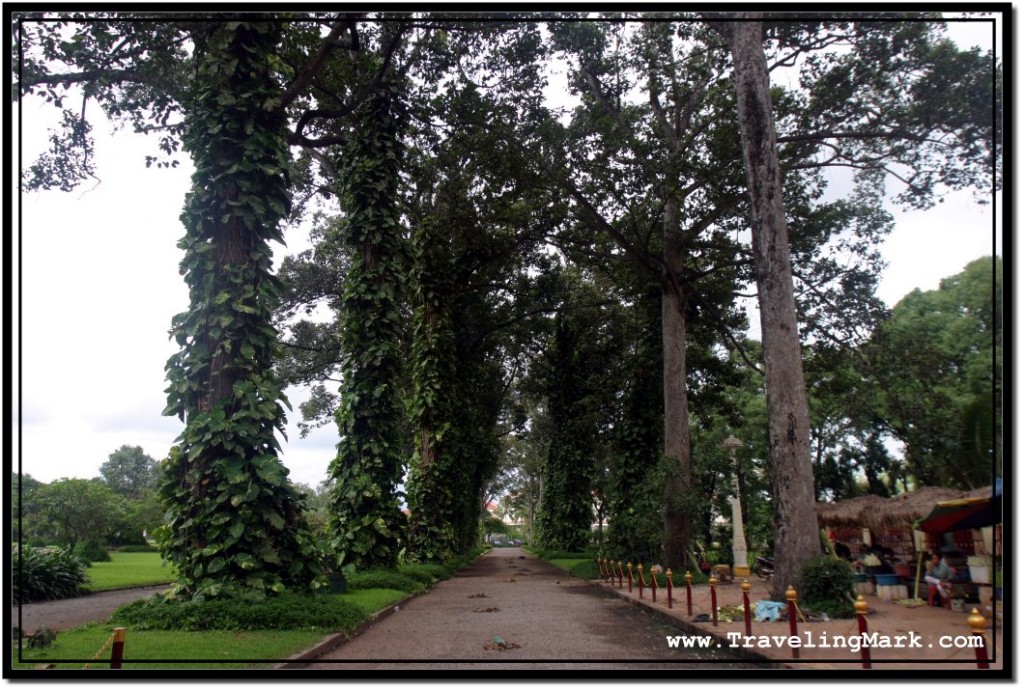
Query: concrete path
{"points": [[509, 610]]}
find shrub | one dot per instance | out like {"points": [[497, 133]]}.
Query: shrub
{"points": [[279, 613], [46, 574], [381, 578], [138, 548], [587, 570], [549, 554], [91, 551], [826, 579], [426, 573]]}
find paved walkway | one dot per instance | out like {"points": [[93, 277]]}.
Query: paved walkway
{"points": [[70, 613], [930, 635], [509, 610]]}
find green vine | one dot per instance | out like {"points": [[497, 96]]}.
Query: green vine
{"points": [[235, 524], [565, 512], [432, 491], [366, 521]]}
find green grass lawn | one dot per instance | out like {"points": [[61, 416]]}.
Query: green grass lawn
{"points": [[211, 650], [128, 570], [220, 648], [217, 649]]}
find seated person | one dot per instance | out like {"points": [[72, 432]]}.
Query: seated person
{"points": [[937, 577]]}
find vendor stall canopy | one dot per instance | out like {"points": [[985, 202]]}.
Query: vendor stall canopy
{"points": [[965, 513]]}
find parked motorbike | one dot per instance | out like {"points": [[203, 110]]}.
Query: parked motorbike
{"points": [[765, 568]]}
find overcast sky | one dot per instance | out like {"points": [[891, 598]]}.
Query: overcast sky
{"points": [[100, 283]]}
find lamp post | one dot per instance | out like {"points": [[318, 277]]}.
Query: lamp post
{"points": [[739, 541]]}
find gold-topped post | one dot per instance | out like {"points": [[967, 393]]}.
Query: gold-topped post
{"points": [[861, 607], [689, 594], [791, 611], [977, 622], [747, 620], [713, 582]]}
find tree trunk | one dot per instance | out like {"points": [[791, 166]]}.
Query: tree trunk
{"points": [[796, 537], [677, 420]]}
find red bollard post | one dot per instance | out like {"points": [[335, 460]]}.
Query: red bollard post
{"points": [[654, 586], [117, 649], [620, 575], [689, 594], [861, 608], [668, 586], [640, 579], [713, 582], [629, 567], [791, 611], [746, 607], [977, 623]]}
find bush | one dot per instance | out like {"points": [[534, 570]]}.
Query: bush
{"points": [[587, 570], [549, 554], [46, 574], [138, 548], [826, 579], [91, 551], [381, 578], [426, 573], [278, 613]]}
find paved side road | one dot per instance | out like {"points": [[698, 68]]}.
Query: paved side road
{"points": [[70, 613], [509, 610]]}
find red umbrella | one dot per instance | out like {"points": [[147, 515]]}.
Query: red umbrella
{"points": [[964, 514]]}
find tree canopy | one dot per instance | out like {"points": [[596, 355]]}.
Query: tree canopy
{"points": [[491, 265]]}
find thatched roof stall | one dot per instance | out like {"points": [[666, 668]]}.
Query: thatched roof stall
{"points": [[878, 514], [891, 521], [849, 513]]}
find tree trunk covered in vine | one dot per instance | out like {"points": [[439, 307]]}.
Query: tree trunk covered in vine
{"points": [[235, 521], [366, 522], [432, 485], [565, 507], [796, 537]]}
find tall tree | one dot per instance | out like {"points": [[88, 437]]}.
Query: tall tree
{"points": [[235, 521], [366, 521], [130, 472], [936, 367], [796, 536], [78, 509]]}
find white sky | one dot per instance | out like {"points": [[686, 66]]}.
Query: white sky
{"points": [[100, 283]]}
